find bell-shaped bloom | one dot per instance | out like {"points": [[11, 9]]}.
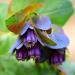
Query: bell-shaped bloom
{"points": [[35, 42], [53, 56], [21, 54], [29, 39], [34, 52], [56, 56]]}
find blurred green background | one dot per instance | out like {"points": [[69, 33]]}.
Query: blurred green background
{"points": [[59, 12]]}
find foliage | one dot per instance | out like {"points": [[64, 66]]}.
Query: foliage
{"points": [[58, 10], [21, 68]]}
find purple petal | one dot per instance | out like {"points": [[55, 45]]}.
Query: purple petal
{"points": [[24, 29], [53, 60], [21, 54], [16, 44], [27, 39], [31, 53], [34, 51], [57, 57], [42, 22], [30, 39], [33, 37], [61, 58], [37, 51], [42, 57]]}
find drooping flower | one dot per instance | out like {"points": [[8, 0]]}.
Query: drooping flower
{"points": [[35, 41], [53, 56]]}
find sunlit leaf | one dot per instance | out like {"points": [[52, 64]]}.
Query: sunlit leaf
{"points": [[9, 66], [15, 28], [58, 10], [16, 21]]}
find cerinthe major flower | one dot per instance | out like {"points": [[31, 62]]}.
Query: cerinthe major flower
{"points": [[40, 40]]}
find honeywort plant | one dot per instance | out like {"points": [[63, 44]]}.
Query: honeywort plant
{"points": [[58, 11], [38, 38]]}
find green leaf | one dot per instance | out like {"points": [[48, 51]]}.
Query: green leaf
{"points": [[58, 10], [9, 66], [44, 38], [3, 13], [6, 41], [15, 19]]}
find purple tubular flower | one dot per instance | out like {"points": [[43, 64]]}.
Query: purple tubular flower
{"points": [[21, 54], [57, 57], [34, 52], [26, 46], [42, 58], [29, 39], [53, 56]]}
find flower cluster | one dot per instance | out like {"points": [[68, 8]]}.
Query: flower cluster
{"points": [[41, 40]]}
